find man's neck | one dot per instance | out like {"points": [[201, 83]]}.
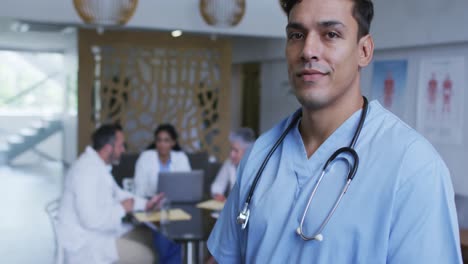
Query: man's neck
{"points": [[317, 125]]}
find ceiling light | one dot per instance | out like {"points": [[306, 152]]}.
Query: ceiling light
{"points": [[19, 27], [176, 33]]}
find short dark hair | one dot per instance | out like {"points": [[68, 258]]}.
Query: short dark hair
{"points": [[172, 133], [363, 12], [104, 135]]}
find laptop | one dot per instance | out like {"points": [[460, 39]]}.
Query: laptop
{"points": [[182, 187]]}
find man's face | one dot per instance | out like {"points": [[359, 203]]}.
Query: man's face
{"points": [[323, 52], [118, 148], [237, 151]]}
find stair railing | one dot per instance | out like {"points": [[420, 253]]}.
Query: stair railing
{"points": [[30, 89]]}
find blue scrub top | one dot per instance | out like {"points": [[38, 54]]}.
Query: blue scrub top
{"points": [[398, 209]]}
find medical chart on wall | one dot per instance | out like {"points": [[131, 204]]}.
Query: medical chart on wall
{"points": [[389, 84], [440, 99]]}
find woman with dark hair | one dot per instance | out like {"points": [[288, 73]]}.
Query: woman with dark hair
{"points": [[165, 156]]}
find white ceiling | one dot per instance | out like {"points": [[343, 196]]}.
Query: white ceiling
{"points": [[263, 18], [397, 23]]}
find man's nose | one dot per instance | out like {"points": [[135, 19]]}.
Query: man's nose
{"points": [[312, 47]]}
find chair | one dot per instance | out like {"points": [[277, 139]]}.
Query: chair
{"points": [[210, 175], [461, 204], [198, 160], [52, 211], [126, 167]]}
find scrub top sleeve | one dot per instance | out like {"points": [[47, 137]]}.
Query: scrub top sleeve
{"points": [[424, 226], [224, 240]]}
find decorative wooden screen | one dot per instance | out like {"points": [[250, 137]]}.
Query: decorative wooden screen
{"points": [[141, 83]]}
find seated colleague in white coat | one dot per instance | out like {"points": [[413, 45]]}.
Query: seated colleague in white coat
{"points": [[165, 155], [92, 205], [399, 206], [240, 140]]}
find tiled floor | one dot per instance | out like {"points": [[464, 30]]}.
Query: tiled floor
{"points": [[25, 231]]}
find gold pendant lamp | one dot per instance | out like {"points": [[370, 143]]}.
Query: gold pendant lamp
{"points": [[105, 12], [222, 13]]}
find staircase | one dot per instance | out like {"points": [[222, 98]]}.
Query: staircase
{"points": [[28, 138]]}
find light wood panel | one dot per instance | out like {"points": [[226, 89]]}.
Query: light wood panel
{"points": [[142, 79]]}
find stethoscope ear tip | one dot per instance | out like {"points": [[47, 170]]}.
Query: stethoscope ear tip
{"points": [[319, 237], [298, 230]]}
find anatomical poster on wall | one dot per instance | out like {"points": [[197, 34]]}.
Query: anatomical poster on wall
{"points": [[389, 84], [440, 99]]}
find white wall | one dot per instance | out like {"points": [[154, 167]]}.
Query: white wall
{"points": [[52, 40], [276, 100], [246, 49], [403, 23], [32, 41]]}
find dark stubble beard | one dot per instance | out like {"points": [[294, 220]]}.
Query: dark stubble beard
{"points": [[114, 159]]}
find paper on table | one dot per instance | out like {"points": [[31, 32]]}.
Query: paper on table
{"points": [[174, 215], [211, 205]]}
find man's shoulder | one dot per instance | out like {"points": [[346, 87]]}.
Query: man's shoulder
{"points": [[85, 160], [85, 166], [178, 154], [392, 133]]}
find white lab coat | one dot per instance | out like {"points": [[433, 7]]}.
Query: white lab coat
{"points": [[147, 170], [226, 176], [90, 214]]}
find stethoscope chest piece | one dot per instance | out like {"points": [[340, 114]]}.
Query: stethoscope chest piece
{"points": [[243, 217]]}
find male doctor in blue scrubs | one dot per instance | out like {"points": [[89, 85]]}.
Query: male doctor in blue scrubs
{"points": [[399, 207]]}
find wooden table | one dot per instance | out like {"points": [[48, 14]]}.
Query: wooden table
{"points": [[192, 233]]}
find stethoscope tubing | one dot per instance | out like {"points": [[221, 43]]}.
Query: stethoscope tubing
{"points": [[267, 158], [245, 213]]}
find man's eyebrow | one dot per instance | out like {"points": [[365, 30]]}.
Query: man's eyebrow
{"points": [[295, 25], [331, 23], [321, 24]]}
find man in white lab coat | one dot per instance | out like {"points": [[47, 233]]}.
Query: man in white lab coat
{"points": [[241, 140], [93, 205]]}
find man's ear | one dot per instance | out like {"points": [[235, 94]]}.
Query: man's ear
{"points": [[366, 50], [109, 148], [106, 149]]}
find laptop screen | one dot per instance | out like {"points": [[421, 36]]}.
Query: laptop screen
{"points": [[182, 186]]}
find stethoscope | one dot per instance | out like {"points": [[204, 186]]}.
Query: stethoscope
{"points": [[243, 217]]}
